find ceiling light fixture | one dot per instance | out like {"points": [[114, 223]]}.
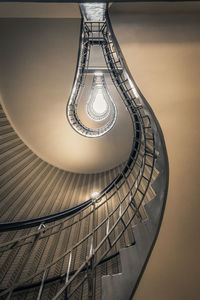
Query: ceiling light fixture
{"points": [[100, 104], [94, 195]]}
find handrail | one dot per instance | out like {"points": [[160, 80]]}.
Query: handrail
{"points": [[86, 237], [59, 277], [18, 225], [130, 188], [14, 242]]}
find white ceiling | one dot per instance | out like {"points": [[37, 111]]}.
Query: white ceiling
{"points": [[37, 66]]}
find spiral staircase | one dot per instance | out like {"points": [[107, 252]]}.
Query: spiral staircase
{"points": [[95, 247]]}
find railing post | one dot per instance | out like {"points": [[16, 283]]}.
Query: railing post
{"points": [[27, 255], [90, 263], [42, 285], [68, 267], [90, 272], [67, 275]]}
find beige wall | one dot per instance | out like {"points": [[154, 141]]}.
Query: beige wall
{"points": [[163, 54]]}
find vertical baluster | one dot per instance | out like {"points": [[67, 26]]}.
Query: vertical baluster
{"points": [[90, 269], [107, 212], [107, 227], [42, 285], [108, 223], [67, 275], [68, 267], [90, 279], [27, 254], [120, 202]]}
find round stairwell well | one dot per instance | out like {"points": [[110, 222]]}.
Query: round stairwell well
{"points": [[67, 235]]}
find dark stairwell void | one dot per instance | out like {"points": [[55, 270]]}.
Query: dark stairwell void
{"points": [[98, 251]]}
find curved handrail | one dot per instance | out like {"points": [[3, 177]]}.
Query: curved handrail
{"points": [[18, 225], [44, 269], [112, 185], [130, 187]]}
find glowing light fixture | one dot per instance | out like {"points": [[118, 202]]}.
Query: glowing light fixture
{"points": [[98, 74], [100, 104], [95, 195]]}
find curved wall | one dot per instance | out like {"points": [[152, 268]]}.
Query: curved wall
{"points": [[161, 45]]}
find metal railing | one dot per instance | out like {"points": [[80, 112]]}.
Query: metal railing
{"points": [[92, 33], [104, 225], [135, 189]]}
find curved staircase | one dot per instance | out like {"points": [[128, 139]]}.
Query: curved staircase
{"points": [[97, 249]]}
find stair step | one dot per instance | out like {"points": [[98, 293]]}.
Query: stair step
{"points": [[153, 210], [133, 259], [120, 286], [110, 287]]}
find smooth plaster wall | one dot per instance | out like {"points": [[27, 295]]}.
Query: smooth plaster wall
{"points": [[163, 54]]}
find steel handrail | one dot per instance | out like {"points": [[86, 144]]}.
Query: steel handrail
{"points": [[88, 235], [141, 149]]}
